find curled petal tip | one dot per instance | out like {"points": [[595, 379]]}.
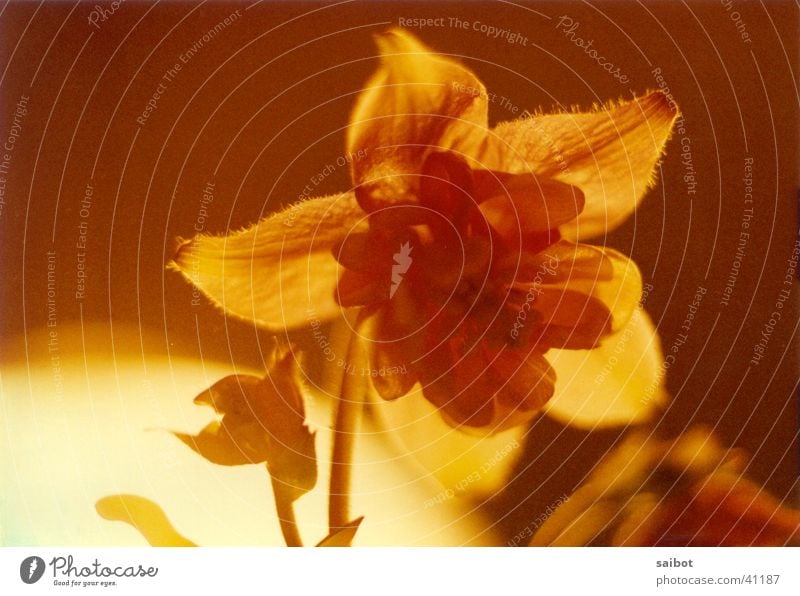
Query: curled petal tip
{"points": [[181, 252], [660, 106], [663, 101]]}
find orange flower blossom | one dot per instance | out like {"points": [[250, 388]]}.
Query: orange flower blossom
{"points": [[460, 242]]}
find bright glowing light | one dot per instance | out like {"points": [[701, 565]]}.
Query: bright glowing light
{"points": [[100, 426]]}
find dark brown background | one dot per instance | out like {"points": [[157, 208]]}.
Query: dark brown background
{"points": [[265, 102]]}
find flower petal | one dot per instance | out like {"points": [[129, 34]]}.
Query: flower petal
{"points": [[487, 392], [144, 515], [461, 386], [578, 528], [417, 102], [585, 293], [396, 346], [609, 154], [722, 509], [528, 382], [278, 270], [735, 511], [358, 289], [519, 204], [564, 516], [617, 383], [640, 520], [461, 462], [446, 185]]}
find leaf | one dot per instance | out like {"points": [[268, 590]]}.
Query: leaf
{"points": [[263, 420], [144, 515], [343, 536]]}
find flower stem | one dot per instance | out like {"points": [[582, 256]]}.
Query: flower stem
{"points": [[284, 505], [344, 433]]}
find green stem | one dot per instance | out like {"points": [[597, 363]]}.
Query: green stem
{"points": [[284, 505], [344, 433]]}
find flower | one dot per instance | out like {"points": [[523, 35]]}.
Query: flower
{"points": [[689, 491], [460, 244], [261, 420]]}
